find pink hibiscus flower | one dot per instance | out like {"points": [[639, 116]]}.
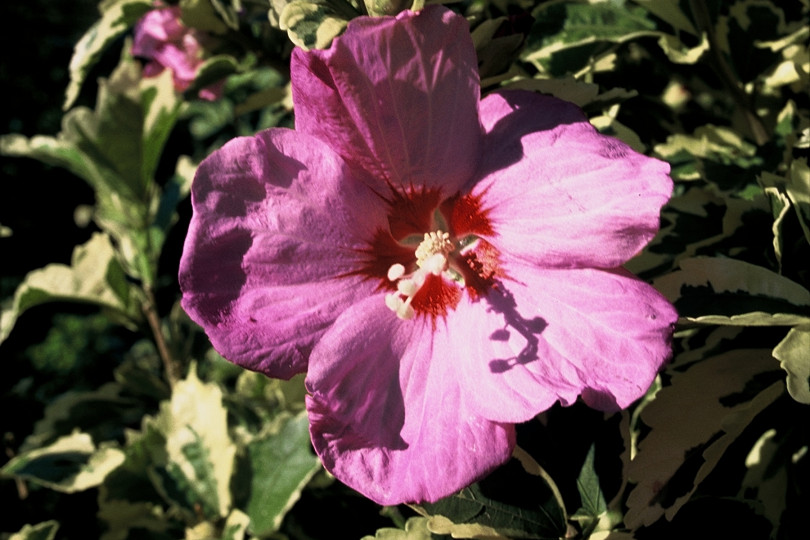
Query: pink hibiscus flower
{"points": [[442, 267], [162, 38]]}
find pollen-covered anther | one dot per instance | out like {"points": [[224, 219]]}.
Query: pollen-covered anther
{"points": [[435, 243]]}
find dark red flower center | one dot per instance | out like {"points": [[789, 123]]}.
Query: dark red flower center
{"points": [[431, 252]]}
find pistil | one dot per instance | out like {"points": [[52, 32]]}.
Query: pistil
{"points": [[431, 259]]}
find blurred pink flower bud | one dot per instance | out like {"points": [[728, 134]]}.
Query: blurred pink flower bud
{"points": [[162, 39]]}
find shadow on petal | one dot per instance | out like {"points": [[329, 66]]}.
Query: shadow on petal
{"points": [[510, 115], [212, 277], [356, 399], [501, 301]]}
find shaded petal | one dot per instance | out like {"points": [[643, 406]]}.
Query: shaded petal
{"points": [[558, 193], [387, 414], [396, 97], [275, 235], [556, 334]]}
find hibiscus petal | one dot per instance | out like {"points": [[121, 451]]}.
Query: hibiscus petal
{"points": [[558, 193], [396, 97], [274, 239], [387, 414], [555, 334]]}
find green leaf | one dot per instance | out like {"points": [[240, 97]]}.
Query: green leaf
{"points": [[798, 190], [609, 125], [790, 203], [41, 531], [717, 143], [54, 151], [70, 464], [581, 22], [793, 353], [567, 37], [377, 8], [679, 53], [314, 24], [236, 526], [122, 517], [159, 109], [727, 291], [115, 149], [416, 528], [212, 70], [112, 136], [101, 413], [692, 421], [119, 17], [766, 480], [281, 464], [492, 507], [94, 276], [590, 492], [204, 15], [128, 498], [583, 94], [199, 448], [670, 12], [780, 204]]}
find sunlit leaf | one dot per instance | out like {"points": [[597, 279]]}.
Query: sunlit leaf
{"points": [[199, 449], [314, 24], [94, 277], [726, 291], [236, 526], [793, 353], [416, 528], [100, 413], [798, 190], [679, 53], [71, 464], [492, 507], [692, 422], [670, 12], [581, 93], [714, 142], [568, 36], [608, 124], [41, 531], [765, 478], [117, 18], [115, 148]]}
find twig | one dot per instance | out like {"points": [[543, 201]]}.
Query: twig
{"points": [[169, 363]]}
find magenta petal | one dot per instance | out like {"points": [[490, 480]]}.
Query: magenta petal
{"points": [[396, 97], [557, 334], [275, 236], [388, 417], [559, 194]]}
